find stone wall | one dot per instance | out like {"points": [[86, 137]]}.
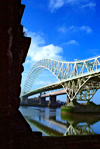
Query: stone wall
{"points": [[13, 50]]}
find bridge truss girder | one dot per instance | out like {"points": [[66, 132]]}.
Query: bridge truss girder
{"points": [[82, 88], [79, 88]]}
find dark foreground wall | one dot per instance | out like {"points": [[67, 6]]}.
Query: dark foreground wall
{"points": [[14, 131], [13, 50]]}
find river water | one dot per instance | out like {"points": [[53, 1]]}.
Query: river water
{"points": [[52, 123]]}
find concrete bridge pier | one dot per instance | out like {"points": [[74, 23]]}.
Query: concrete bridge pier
{"points": [[52, 117], [68, 100], [43, 100], [52, 101], [24, 100]]}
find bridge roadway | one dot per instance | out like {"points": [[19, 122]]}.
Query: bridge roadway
{"points": [[59, 92], [58, 85], [50, 87]]}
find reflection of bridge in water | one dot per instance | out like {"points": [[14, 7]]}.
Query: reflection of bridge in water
{"points": [[71, 127], [79, 130]]}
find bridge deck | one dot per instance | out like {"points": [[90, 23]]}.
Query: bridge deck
{"points": [[58, 85]]}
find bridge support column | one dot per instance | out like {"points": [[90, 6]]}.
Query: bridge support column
{"points": [[52, 117], [43, 100], [52, 101], [68, 100], [24, 100]]}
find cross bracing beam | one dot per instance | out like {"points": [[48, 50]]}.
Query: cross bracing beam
{"points": [[74, 77]]}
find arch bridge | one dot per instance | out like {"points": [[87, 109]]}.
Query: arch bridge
{"points": [[80, 79]]}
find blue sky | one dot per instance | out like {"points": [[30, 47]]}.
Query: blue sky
{"points": [[63, 30]]}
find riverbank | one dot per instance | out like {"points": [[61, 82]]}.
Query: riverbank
{"points": [[34, 105], [42, 105], [75, 107]]}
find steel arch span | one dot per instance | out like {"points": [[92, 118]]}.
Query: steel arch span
{"points": [[80, 78]]}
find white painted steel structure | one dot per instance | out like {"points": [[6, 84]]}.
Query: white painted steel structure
{"points": [[80, 79], [79, 130]]}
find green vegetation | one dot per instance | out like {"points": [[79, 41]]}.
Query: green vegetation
{"points": [[67, 109], [91, 104], [74, 107]]}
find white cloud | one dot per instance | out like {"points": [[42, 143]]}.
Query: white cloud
{"points": [[71, 27], [63, 29], [86, 28], [56, 4], [43, 82], [39, 51], [91, 5], [94, 52], [75, 29], [72, 42], [25, 73]]}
